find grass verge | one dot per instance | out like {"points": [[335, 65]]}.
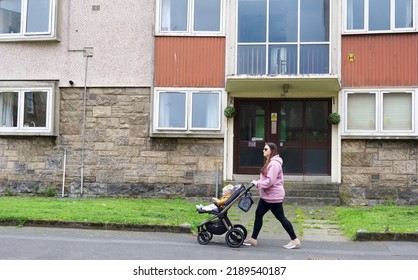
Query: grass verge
{"points": [[176, 212]]}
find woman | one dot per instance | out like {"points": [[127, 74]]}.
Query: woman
{"points": [[270, 186]]}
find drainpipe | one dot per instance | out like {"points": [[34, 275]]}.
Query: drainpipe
{"points": [[88, 52], [63, 172], [217, 182]]}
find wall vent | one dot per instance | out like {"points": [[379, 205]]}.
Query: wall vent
{"points": [[95, 8]]}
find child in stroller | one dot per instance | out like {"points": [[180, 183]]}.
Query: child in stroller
{"points": [[227, 191], [219, 223]]}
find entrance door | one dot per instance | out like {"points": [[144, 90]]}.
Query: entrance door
{"points": [[299, 127]]}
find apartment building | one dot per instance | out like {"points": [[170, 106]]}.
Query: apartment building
{"points": [[101, 98]]}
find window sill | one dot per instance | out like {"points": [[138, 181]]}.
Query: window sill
{"points": [[159, 134], [180, 34], [30, 39], [383, 137], [25, 133], [386, 32]]}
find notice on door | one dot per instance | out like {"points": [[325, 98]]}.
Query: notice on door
{"points": [[273, 119]]}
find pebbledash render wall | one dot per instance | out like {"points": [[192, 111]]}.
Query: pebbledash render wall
{"points": [[120, 158], [379, 172]]}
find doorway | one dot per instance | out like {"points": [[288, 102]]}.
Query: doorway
{"points": [[298, 126]]}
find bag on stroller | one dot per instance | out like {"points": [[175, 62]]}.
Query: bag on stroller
{"points": [[246, 202]]}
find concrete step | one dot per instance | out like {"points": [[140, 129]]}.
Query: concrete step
{"points": [[318, 201], [299, 193]]}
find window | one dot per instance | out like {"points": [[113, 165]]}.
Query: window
{"points": [[190, 17], [380, 112], [26, 111], [379, 15], [27, 19], [283, 37], [187, 111]]}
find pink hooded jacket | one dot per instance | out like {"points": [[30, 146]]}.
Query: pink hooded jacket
{"points": [[270, 185]]}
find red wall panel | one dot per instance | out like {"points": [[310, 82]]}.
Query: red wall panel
{"points": [[189, 62], [380, 60]]}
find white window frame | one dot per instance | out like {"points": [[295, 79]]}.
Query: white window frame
{"points": [[190, 22], [379, 130], [366, 20], [23, 35], [266, 45], [187, 130], [51, 107]]}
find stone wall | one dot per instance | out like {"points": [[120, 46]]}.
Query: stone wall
{"points": [[379, 172], [119, 159]]}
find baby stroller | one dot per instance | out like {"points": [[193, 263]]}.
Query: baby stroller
{"points": [[219, 223]]}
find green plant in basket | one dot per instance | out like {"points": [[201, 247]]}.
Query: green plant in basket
{"points": [[229, 112], [334, 118]]}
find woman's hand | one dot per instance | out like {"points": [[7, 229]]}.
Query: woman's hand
{"points": [[254, 182]]}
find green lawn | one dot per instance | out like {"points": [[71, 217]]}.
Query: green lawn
{"points": [[180, 211], [377, 219]]}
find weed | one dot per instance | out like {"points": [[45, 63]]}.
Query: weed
{"points": [[49, 192]]}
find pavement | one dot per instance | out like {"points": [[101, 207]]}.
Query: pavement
{"points": [[316, 225], [320, 236]]}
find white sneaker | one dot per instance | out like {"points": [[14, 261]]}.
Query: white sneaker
{"points": [[250, 242], [293, 244]]}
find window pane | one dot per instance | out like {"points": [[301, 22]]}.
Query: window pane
{"points": [[8, 109], [316, 129], [291, 124], [283, 21], [314, 20], [283, 59], [292, 159], [379, 14], [252, 122], [251, 60], [174, 15], [205, 110], [35, 109], [10, 14], [317, 161], [403, 14], [38, 16], [252, 20], [172, 110], [251, 157], [355, 14], [397, 111], [361, 111], [314, 59], [207, 15]]}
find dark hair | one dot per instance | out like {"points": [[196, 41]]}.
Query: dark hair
{"points": [[274, 151]]}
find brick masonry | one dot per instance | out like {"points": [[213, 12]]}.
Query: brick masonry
{"points": [[379, 172], [120, 158]]}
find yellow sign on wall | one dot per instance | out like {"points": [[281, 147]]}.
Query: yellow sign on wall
{"points": [[351, 57]]}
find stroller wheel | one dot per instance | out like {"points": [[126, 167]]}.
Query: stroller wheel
{"points": [[203, 237], [242, 228], [234, 237]]}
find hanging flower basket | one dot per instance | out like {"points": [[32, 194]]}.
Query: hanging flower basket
{"points": [[230, 112], [334, 118]]}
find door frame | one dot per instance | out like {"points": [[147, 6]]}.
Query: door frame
{"points": [[271, 105]]}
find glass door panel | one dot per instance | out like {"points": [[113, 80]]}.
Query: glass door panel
{"points": [[251, 130]]}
